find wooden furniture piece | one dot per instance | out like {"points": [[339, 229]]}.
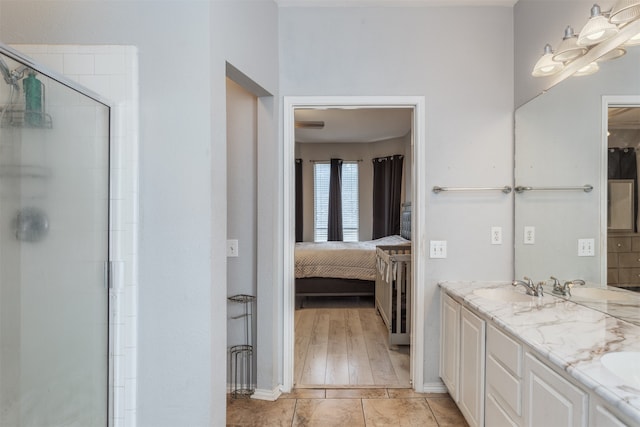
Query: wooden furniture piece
{"points": [[393, 291], [623, 260]]}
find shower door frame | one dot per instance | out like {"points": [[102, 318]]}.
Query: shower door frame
{"points": [[112, 270]]}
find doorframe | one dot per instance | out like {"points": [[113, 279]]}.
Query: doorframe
{"points": [[608, 101], [418, 201]]}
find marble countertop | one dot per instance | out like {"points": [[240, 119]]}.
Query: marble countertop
{"points": [[569, 335]]}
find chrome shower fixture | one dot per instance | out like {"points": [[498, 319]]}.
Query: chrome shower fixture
{"points": [[12, 77]]}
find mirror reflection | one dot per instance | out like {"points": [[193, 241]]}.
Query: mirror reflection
{"points": [[623, 240], [561, 141]]}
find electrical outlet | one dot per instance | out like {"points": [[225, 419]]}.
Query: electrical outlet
{"points": [[586, 247], [529, 235], [496, 235], [438, 249], [232, 248]]}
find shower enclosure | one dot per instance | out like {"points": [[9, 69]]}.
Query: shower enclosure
{"points": [[54, 249]]}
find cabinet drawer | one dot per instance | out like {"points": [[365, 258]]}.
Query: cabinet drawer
{"points": [[506, 388], [619, 244], [629, 260], [495, 415], [635, 244], [612, 276], [505, 350], [629, 276], [612, 259]]}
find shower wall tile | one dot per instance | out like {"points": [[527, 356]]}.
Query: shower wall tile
{"points": [[111, 72], [81, 64], [110, 64]]}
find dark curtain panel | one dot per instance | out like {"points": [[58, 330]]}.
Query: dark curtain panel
{"points": [[299, 223], [387, 186], [622, 164], [334, 231]]}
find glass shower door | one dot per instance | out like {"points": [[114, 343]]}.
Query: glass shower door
{"points": [[54, 245]]}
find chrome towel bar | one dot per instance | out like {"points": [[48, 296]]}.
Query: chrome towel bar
{"points": [[586, 188], [506, 189]]}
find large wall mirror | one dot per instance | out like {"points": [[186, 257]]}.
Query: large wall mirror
{"points": [[562, 143]]}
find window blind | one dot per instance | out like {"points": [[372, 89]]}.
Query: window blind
{"points": [[350, 209]]}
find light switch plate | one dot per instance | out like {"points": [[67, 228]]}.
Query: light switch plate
{"points": [[232, 248], [586, 247], [496, 235], [437, 248], [529, 235]]}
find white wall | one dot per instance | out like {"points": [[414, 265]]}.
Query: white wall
{"points": [[241, 204], [467, 82], [348, 151], [182, 271]]}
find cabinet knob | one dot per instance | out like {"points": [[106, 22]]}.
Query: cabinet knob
{"points": [[619, 245]]}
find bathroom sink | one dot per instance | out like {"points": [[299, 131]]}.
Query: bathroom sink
{"points": [[623, 364], [599, 294], [503, 294]]}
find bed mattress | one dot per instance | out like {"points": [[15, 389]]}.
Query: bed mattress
{"points": [[344, 260]]}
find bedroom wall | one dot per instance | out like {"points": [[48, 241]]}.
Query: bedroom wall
{"points": [[467, 83], [347, 151]]}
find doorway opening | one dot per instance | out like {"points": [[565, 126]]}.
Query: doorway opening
{"points": [[416, 174], [619, 212]]}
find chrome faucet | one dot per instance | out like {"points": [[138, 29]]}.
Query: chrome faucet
{"points": [[558, 289], [533, 290], [569, 284]]}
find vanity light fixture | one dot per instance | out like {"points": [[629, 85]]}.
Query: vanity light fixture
{"points": [[633, 41], [569, 49], [605, 36], [625, 11], [597, 29], [546, 66], [587, 70], [613, 54]]}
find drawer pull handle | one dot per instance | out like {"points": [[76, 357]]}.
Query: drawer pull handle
{"points": [[619, 245]]}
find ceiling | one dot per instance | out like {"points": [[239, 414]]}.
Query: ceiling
{"points": [[356, 125]]}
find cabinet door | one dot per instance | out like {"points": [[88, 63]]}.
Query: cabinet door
{"points": [[550, 399], [449, 347], [601, 416], [472, 356]]}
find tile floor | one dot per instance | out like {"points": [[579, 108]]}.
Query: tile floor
{"points": [[347, 407]]}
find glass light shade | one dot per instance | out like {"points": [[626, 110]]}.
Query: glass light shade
{"points": [[592, 68], [546, 66], [597, 29], [625, 11], [569, 49], [612, 54], [633, 41]]}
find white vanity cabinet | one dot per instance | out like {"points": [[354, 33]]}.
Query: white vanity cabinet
{"points": [[550, 399], [601, 416], [462, 358], [449, 343], [504, 384]]}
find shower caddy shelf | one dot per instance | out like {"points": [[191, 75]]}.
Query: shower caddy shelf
{"points": [[14, 117], [241, 356]]}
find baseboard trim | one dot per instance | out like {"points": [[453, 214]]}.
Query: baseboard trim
{"points": [[270, 395], [436, 387]]}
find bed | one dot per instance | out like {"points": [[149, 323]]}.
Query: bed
{"points": [[342, 268]]}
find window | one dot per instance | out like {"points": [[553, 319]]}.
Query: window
{"points": [[321, 173]]}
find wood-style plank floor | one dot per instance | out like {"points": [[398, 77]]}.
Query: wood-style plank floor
{"points": [[346, 347]]}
